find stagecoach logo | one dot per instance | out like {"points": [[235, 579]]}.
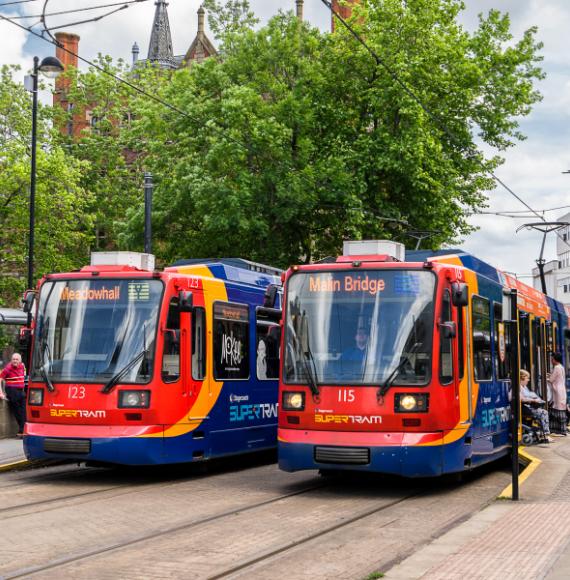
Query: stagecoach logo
{"points": [[349, 419], [231, 350], [238, 398], [77, 413]]}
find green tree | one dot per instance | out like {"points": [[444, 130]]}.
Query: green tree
{"points": [[296, 139], [112, 157], [61, 238]]}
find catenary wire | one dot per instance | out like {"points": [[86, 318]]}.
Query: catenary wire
{"points": [[74, 10], [439, 122]]}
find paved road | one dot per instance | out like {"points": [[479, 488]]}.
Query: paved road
{"points": [[240, 520]]}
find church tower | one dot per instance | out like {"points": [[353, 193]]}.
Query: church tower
{"points": [[343, 9], [160, 47]]}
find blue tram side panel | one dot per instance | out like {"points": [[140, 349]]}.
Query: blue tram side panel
{"points": [[490, 429]]}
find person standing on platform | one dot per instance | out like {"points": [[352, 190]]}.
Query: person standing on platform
{"points": [[557, 382], [12, 378]]}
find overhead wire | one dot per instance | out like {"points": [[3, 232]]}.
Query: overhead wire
{"points": [[74, 10], [474, 153]]}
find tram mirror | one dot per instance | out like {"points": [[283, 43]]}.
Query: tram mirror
{"points": [[448, 329], [270, 296], [459, 294], [185, 301], [28, 300]]}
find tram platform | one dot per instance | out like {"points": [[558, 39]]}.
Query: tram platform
{"points": [[11, 453], [507, 540]]}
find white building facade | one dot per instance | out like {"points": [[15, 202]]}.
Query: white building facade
{"points": [[557, 272]]}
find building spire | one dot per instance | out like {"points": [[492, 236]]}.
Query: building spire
{"points": [[160, 46]]}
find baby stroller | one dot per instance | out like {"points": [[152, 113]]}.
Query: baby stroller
{"points": [[532, 431]]}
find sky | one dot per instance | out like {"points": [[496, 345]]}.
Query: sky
{"points": [[533, 169]]}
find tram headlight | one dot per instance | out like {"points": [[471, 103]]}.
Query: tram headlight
{"points": [[134, 399], [293, 401], [36, 397], [411, 403]]}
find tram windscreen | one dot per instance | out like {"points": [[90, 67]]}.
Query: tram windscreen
{"points": [[359, 328], [89, 330]]}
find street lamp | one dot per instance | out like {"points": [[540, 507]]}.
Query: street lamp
{"points": [[544, 228], [51, 67]]}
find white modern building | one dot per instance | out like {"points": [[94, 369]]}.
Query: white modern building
{"points": [[557, 272]]}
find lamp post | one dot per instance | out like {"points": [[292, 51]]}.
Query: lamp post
{"points": [[544, 228], [51, 67]]}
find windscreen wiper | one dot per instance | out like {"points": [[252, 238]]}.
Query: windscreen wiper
{"points": [[313, 385], [43, 372], [116, 378], [392, 376]]}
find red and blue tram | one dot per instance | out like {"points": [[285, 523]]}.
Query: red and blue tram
{"points": [[401, 366], [139, 367]]}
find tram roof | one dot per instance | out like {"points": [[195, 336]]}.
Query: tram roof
{"points": [[234, 270], [484, 269]]}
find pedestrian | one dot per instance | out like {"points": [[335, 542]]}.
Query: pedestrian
{"points": [[530, 400], [12, 379], [557, 382]]}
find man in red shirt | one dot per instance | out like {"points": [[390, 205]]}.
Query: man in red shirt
{"points": [[13, 378]]}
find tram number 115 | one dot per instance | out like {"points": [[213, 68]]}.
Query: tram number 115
{"points": [[346, 396]]}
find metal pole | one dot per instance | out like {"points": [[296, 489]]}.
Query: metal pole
{"points": [[540, 264], [515, 398], [148, 189], [33, 175]]}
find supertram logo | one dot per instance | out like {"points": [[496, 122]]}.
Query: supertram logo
{"points": [[349, 419], [252, 412], [77, 413]]}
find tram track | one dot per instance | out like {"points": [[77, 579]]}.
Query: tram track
{"points": [[152, 535], [243, 566]]}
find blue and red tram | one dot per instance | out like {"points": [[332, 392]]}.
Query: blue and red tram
{"points": [[136, 366], [399, 363]]}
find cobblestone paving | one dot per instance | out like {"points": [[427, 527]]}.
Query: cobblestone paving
{"points": [[267, 541]]}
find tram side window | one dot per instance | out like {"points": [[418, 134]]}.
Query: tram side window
{"points": [[231, 341], [198, 344], [482, 339], [524, 338], [171, 352], [501, 342], [567, 349], [268, 340], [445, 348]]}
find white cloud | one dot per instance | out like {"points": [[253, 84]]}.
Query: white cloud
{"points": [[13, 40]]}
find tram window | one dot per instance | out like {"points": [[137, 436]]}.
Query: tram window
{"points": [[524, 339], [482, 339], [198, 344], [231, 341], [567, 349], [171, 352], [268, 340], [501, 342], [445, 344]]}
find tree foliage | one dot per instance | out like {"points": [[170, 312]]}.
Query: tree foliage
{"points": [[61, 224], [294, 139]]}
